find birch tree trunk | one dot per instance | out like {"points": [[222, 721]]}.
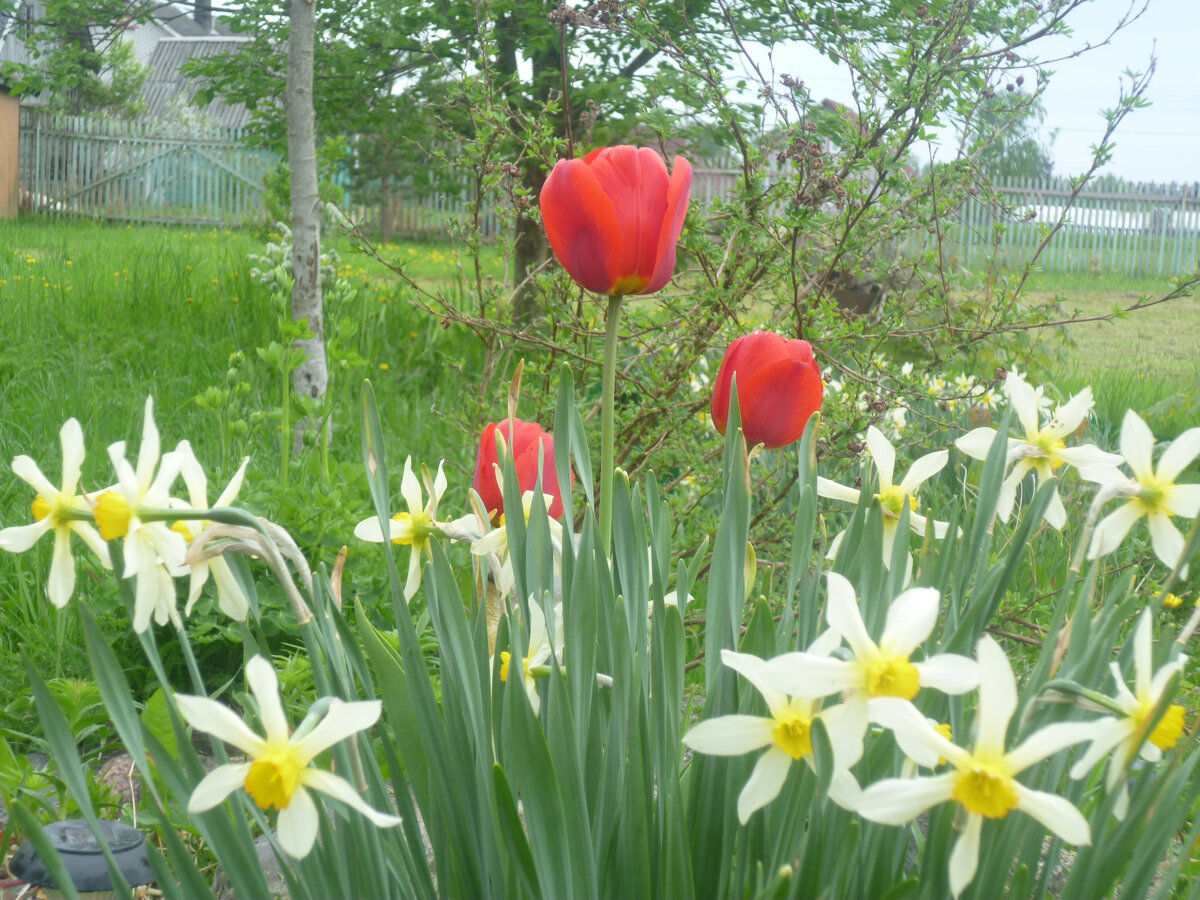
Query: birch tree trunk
{"points": [[312, 376]]}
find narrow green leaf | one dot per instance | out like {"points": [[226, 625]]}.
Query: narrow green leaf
{"points": [[513, 831], [822, 754]]}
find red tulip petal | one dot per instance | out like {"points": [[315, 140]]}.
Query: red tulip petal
{"points": [[582, 226], [677, 204], [740, 355], [778, 399], [484, 482], [635, 179], [779, 387]]}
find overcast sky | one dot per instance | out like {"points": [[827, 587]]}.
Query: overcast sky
{"points": [[1161, 143]]}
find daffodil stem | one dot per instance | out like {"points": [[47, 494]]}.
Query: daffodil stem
{"points": [[609, 379]]}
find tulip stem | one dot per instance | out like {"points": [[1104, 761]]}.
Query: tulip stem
{"points": [[609, 380]]}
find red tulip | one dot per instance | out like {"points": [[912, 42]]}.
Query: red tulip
{"points": [[779, 386], [524, 448], [613, 218]]}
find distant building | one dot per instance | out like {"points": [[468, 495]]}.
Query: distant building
{"points": [[171, 36]]}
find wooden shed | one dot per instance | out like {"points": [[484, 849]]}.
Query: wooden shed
{"points": [[10, 115]]}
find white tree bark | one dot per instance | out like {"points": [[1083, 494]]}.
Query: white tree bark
{"points": [[312, 376]]}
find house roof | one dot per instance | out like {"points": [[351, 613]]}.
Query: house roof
{"points": [[166, 83], [181, 22]]}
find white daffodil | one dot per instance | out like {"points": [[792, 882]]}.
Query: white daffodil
{"points": [[892, 497], [538, 649], [1042, 448], [230, 597], [1152, 492], [59, 510], [881, 669], [982, 780], [786, 732], [277, 772], [494, 544], [416, 528], [1128, 734], [153, 552]]}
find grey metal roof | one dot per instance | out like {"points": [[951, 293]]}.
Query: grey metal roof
{"points": [[181, 20], [166, 83]]}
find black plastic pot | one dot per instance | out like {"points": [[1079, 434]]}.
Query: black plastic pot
{"points": [[83, 856]]}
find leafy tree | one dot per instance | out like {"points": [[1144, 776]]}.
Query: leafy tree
{"points": [[1008, 138], [80, 64]]}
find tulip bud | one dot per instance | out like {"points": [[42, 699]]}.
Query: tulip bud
{"points": [[779, 388], [527, 441], [613, 218]]}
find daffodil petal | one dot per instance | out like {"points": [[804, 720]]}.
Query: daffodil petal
{"points": [[235, 484], [895, 801], [964, 858], [61, 583], [997, 697], [297, 825], [1087, 455], [1165, 538], [1111, 530], [883, 454], [924, 469], [949, 673], [1105, 734], [340, 789], [977, 443], [439, 485], [733, 735], [834, 491], [1043, 743], [493, 541], [369, 530], [764, 783], [19, 538], [71, 438], [1008, 490], [1023, 399], [217, 785], [910, 620], [1179, 454], [841, 611], [759, 673], [27, 470], [221, 722], [846, 725], [1056, 813], [1056, 513], [230, 596], [919, 740], [1137, 445], [808, 675], [410, 488], [1184, 500], [1070, 415], [342, 720], [96, 544], [150, 448], [264, 685], [413, 583]]}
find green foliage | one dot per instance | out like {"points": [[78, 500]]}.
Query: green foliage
{"points": [[277, 184], [1007, 139], [81, 63]]}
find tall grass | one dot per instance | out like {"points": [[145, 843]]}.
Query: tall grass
{"points": [[96, 317]]}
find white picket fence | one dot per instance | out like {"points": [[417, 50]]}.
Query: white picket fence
{"points": [[1133, 230], [137, 172]]}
